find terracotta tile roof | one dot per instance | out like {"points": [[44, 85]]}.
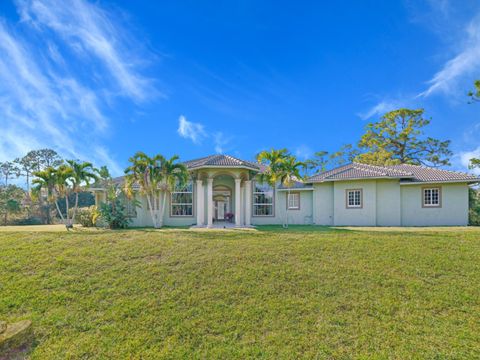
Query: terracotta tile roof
{"points": [[428, 174], [407, 173], [220, 160]]}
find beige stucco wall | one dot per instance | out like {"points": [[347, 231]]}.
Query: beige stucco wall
{"points": [[323, 204], [298, 217], [388, 203], [364, 216], [454, 210]]}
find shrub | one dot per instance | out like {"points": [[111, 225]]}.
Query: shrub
{"points": [[87, 216], [27, 221], [474, 210], [113, 214]]}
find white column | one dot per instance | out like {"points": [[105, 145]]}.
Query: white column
{"points": [[237, 202], [209, 202], [248, 202], [200, 202]]}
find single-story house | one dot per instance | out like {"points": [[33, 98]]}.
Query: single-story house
{"points": [[223, 187]]}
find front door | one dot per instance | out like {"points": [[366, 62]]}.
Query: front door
{"points": [[220, 210]]}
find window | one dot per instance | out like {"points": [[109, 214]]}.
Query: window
{"points": [[262, 199], [293, 201], [354, 198], [431, 197], [130, 206], [182, 200]]}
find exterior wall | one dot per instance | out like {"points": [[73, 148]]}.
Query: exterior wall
{"points": [[323, 202], [364, 216], [454, 209], [389, 203], [301, 216]]}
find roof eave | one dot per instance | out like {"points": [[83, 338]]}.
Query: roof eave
{"points": [[362, 178], [223, 167], [462, 181]]}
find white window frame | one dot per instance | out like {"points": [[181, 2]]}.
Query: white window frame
{"points": [[430, 203], [354, 197], [293, 201], [255, 205], [182, 191]]}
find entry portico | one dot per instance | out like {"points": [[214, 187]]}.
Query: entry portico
{"points": [[223, 189]]}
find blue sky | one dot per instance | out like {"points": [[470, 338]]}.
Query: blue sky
{"points": [[99, 80]]}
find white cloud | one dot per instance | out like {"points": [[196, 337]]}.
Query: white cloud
{"points": [[50, 97], [465, 157], [220, 141], [104, 158], [88, 28], [465, 64], [380, 109], [190, 130]]}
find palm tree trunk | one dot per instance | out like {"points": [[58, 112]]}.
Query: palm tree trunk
{"points": [[162, 213], [288, 197], [67, 222], [151, 210], [59, 212], [75, 208]]}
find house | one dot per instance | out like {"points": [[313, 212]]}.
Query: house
{"points": [[223, 186]]}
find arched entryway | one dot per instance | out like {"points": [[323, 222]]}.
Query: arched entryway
{"points": [[222, 203]]}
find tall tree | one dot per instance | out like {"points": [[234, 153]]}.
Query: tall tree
{"points": [[398, 138], [45, 158], [27, 165], [11, 197], [173, 174], [281, 168], [318, 163], [475, 94], [9, 170], [145, 172]]}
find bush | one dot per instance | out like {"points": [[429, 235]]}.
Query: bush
{"points": [[87, 216], [474, 211], [27, 221], [113, 215]]}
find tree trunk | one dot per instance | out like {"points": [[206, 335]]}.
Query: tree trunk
{"points": [[75, 208], [67, 206], [59, 212], [151, 211], [5, 219], [286, 220], [162, 212]]}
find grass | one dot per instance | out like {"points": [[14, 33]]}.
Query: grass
{"points": [[305, 292]]}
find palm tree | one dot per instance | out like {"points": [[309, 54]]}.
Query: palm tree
{"points": [[145, 172], [82, 175], [173, 174], [46, 180], [63, 181], [281, 168]]}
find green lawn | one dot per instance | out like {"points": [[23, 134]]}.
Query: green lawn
{"points": [[305, 292]]}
